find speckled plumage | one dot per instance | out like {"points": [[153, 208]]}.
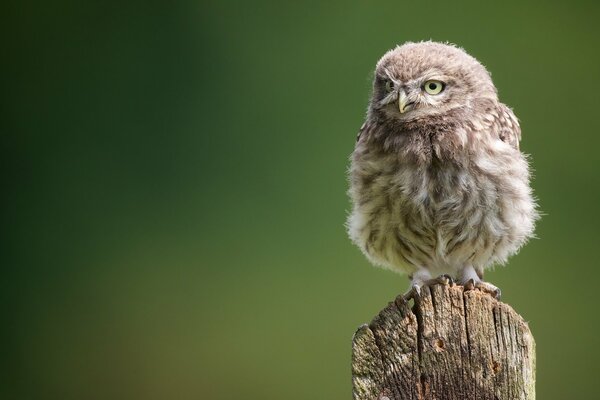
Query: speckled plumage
{"points": [[441, 188]]}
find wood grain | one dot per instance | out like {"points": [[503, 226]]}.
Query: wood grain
{"points": [[452, 344]]}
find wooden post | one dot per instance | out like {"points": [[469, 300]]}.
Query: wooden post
{"points": [[452, 345]]}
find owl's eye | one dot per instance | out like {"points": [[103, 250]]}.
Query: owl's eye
{"points": [[433, 87], [389, 86]]}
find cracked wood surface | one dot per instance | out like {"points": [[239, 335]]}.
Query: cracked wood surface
{"points": [[453, 344]]}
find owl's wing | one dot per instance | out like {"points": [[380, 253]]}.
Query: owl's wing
{"points": [[360, 131], [508, 126], [363, 129]]}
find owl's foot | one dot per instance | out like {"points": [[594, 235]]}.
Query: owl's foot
{"points": [[444, 279], [485, 287], [415, 288]]}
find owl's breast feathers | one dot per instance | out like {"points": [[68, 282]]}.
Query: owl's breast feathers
{"points": [[446, 193]]}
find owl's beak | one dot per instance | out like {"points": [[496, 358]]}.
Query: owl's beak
{"points": [[403, 104]]}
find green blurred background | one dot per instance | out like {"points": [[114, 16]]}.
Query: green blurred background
{"points": [[175, 191]]}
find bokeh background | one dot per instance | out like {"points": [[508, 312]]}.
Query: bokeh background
{"points": [[174, 191]]}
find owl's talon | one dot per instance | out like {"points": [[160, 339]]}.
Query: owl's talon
{"points": [[469, 285], [440, 280], [490, 289], [485, 287], [413, 292], [415, 289], [446, 279]]}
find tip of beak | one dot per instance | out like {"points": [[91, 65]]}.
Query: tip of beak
{"points": [[403, 103], [404, 107]]}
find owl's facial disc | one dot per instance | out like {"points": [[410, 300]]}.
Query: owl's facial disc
{"points": [[400, 96]]}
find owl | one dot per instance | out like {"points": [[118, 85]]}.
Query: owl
{"points": [[438, 185]]}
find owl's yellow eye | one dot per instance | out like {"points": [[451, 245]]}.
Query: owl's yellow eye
{"points": [[433, 87], [389, 86]]}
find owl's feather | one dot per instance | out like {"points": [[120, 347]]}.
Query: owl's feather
{"points": [[509, 129]]}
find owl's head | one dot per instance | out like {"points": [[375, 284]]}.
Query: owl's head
{"points": [[418, 80]]}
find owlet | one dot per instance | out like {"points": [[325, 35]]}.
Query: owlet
{"points": [[438, 184]]}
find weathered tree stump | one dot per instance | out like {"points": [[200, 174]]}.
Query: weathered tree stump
{"points": [[452, 344]]}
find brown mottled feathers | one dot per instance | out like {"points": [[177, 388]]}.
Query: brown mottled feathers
{"points": [[441, 186], [508, 127]]}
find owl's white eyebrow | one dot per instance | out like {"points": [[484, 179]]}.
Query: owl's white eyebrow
{"points": [[389, 75]]}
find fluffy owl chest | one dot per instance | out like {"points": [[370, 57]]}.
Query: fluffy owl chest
{"points": [[435, 215], [429, 201]]}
